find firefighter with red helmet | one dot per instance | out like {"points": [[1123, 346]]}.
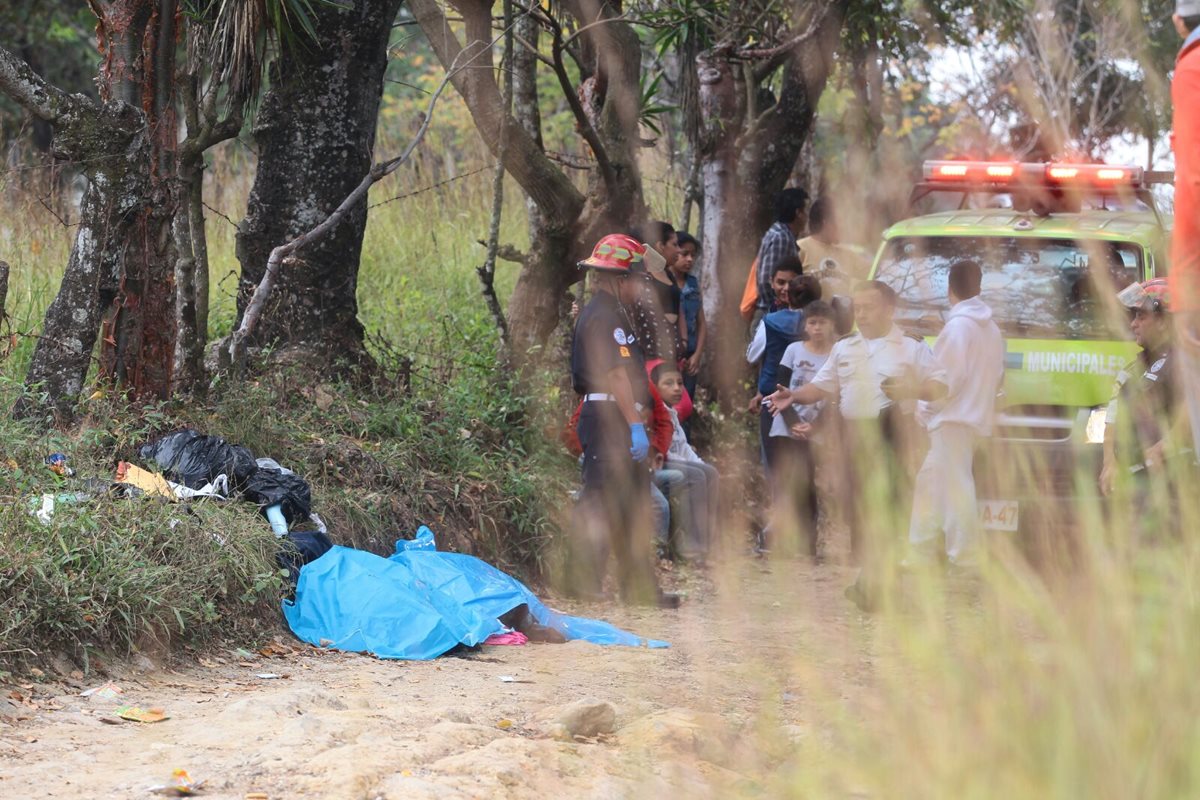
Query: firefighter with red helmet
{"points": [[608, 371], [1146, 412]]}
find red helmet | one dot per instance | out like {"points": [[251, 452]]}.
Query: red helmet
{"points": [[1153, 295], [615, 253]]}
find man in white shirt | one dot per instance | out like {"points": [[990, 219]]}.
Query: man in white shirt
{"points": [[862, 369], [970, 352]]}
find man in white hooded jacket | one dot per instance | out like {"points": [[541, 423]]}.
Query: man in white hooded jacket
{"points": [[970, 349]]}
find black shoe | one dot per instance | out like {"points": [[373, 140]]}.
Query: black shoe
{"points": [[669, 600]]}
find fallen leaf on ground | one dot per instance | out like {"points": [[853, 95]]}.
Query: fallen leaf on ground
{"points": [[136, 714], [276, 649]]}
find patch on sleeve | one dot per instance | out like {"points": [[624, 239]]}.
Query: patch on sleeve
{"points": [[625, 352], [619, 335]]}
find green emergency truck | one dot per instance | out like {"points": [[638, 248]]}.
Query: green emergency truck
{"points": [[1056, 243]]}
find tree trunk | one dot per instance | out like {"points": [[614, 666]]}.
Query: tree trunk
{"points": [[746, 159], [137, 344], [691, 192], [137, 335], [205, 128], [567, 222], [120, 268], [538, 298], [721, 101], [316, 134], [112, 204], [4, 269], [189, 346], [533, 308]]}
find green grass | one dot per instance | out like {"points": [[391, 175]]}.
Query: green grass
{"points": [[108, 576]]}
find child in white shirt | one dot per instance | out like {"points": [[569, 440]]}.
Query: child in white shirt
{"points": [[797, 428]]}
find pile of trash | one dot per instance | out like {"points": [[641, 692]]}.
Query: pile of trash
{"points": [[419, 603], [196, 465], [188, 465]]}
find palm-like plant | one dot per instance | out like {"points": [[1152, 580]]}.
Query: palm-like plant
{"points": [[235, 39]]}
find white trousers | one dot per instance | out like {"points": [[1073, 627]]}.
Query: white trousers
{"points": [[944, 496]]}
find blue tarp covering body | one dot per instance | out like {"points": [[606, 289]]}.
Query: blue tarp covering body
{"points": [[419, 603]]}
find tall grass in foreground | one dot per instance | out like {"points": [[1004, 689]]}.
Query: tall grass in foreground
{"points": [[1064, 672], [1080, 687]]}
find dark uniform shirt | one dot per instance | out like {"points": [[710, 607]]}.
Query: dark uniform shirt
{"points": [[656, 337], [1145, 401], [604, 340]]}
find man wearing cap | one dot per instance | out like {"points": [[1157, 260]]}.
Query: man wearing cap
{"points": [[607, 370], [1145, 416], [1185, 238]]}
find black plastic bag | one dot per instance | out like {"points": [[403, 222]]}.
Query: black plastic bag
{"points": [[195, 460], [268, 487], [300, 548]]}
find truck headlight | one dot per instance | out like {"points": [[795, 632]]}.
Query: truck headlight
{"points": [[1095, 425]]}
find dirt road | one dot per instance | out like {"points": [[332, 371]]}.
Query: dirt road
{"points": [[749, 650]]}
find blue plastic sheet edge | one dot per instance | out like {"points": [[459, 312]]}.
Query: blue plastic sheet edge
{"points": [[420, 603]]}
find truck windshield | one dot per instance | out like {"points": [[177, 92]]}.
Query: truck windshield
{"points": [[1037, 288]]}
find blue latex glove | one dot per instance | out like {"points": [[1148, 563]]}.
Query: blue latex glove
{"points": [[641, 445]]}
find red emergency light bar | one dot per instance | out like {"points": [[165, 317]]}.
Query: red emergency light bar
{"points": [[953, 171], [1062, 175], [969, 172], [1094, 174]]}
